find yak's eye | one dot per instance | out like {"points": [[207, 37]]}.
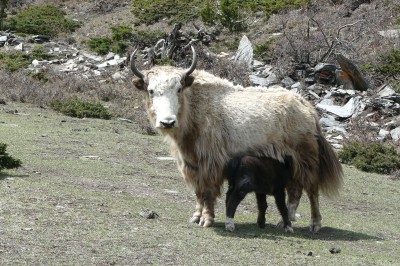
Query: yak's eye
{"points": [[179, 90], [151, 92]]}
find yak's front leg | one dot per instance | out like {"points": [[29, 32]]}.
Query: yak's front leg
{"points": [[199, 208], [207, 215]]}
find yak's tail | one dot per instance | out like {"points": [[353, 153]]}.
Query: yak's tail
{"points": [[330, 169]]}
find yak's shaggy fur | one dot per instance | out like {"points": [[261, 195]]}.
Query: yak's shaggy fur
{"points": [[206, 120]]}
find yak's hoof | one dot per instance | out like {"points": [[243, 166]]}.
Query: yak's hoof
{"points": [[315, 228], [206, 222], [288, 229], [280, 224], [195, 219]]}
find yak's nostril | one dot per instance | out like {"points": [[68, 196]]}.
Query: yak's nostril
{"points": [[168, 123]]}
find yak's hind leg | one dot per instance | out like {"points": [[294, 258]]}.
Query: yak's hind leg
{"points": [[316, 217], [262, 208]]}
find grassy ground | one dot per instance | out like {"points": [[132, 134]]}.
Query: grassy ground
{"points": [[84, 182]]}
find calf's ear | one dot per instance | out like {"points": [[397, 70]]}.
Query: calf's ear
{"points": [[139, 83]]}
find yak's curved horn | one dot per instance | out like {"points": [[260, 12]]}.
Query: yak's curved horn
{"points": [[194, 62], [133, 66]]}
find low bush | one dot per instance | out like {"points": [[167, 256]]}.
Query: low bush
{"points": [[263, 51], [80, 109], [389, 64], [13, 61], [42, 19], [6, 161], [143, 38], [117, 43], [374, 157], [151, 11]]}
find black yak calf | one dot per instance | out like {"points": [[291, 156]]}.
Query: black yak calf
{"points": [[265, 176]]}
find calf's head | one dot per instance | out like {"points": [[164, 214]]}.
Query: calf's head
{"points": [[165, 90]]}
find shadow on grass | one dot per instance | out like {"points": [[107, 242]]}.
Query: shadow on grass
{"points": [[250, 230], [4, 176]]}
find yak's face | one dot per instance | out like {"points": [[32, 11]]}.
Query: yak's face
{"points": [[164, 86], [165, 92]]}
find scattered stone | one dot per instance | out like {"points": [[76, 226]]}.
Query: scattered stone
{"points": [[395, 133], [351, 108], [148, 214], [335, 250]]}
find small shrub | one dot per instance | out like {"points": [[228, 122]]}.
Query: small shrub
{"points": [[263, 51], [39, 53], [121, 33], [42, 19], [166, 61], [389, 64], [80, 109], [143, 38], [374, 157], [40, 76], [117, 43], [229, 13], [13, 61], [100, 45], [6, 161], [151, 11]]}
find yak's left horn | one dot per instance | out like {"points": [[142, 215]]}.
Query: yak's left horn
{"points": [[194, 62], [133, 66]]}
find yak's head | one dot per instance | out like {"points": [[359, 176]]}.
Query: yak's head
{"points": [[164, 87]]}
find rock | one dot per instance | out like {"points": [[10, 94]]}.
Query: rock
{"points": [[382, 134], [245, 52], [148, 214], [335, 250], [325, 73], [351, 108], [351, 69], [287, 82], [395, 133], [389, 33], [385, 91], [343, 79], [39, 38], [19, 47], [264, 82], [298, 87]]}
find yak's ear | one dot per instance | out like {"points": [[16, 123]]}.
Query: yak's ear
{"points": [[139, 83], [187, 81]]}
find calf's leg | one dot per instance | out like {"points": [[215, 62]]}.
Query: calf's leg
{"points": [[262, 208], [280, 203], [232, 201]]}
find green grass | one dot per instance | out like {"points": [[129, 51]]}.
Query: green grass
{"points": [[63, 207]]}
